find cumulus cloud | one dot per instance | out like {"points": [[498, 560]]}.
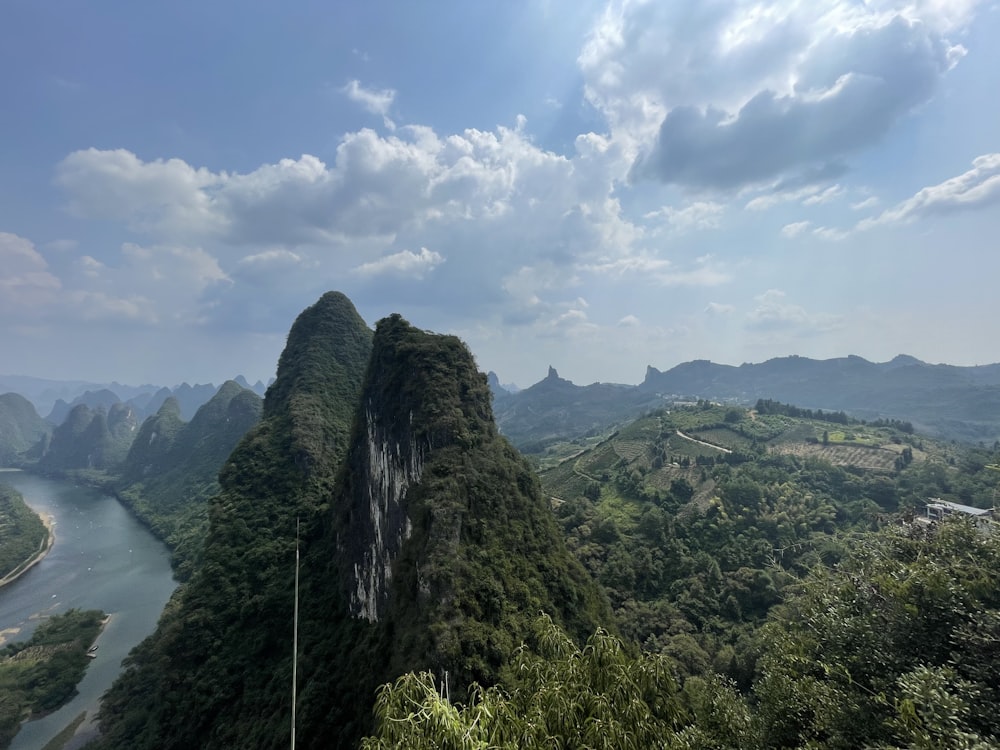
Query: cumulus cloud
{"points": [[629, 321], [378, 187], [976, 188], [403, 263], [376, 101], [491, 202], [26, 283], [160, 196], [725, 95]]}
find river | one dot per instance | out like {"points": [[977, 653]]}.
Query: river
{"points": [[103, 558]]}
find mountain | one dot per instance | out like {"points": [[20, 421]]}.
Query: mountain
{"points": [[191, 397], [259, 388], [555, 409], [20, 427], [960, 403], [172, 467], [101, 398], [426, 544], [220, 657], [445, 547], [944, 400], [91, 439]]}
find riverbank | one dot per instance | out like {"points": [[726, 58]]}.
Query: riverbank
{"points": [[43, 549]]}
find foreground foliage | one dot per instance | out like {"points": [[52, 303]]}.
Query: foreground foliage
{"points": [[897, 646], [40, 675]]}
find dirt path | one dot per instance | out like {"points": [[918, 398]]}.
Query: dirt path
{"points": [[702, 442]]}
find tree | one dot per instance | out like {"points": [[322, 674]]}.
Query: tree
{"points": [[897, 646], [601, 696]]}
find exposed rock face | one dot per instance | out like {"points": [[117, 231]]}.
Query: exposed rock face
{"points": [[426, 544], [391, 467]]}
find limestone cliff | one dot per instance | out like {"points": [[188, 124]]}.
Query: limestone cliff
{"points": [[425, 544]]}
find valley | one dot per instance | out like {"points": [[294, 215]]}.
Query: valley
{"points": [[682, 532]]}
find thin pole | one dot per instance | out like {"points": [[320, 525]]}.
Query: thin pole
{"points": [[295, 633]]}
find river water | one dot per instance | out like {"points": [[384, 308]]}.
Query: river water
{"points": [[103, 558]]}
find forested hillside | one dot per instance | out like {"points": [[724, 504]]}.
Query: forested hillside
{"points": [[426, 544], [22, 532], [20, 428], [773, 571], [697, 520], [90, 439], [172, 468]]}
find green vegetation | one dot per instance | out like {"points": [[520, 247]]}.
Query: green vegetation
{"points": [[20, 428], [40, 675], [22, 532], [221, 656], [698, 520], [90, 439], [895, 647], [483, 557], [426, 544], [709, 553], [172, 469]]}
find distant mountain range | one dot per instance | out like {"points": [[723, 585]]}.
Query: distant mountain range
{"points": [[960, 403], [56, 398]]}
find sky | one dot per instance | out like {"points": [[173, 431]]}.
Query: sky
{"points": [[593, 186]]}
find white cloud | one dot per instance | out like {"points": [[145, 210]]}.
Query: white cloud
{"points": [[781, 193], [100, 306], [976, 188], [376, 101], [869, 202], [697, 215], [825, 196], [724, 95], [403, 263], [661, 271], [774, 314], [26, 283], [629, 321], [794, 229], [831, 234], [163, 196], [718, 308]]}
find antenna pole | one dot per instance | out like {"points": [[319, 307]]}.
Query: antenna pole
{"points": [[295, 631]]}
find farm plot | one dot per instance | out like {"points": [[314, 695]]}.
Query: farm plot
{"points": [[875, 459]]}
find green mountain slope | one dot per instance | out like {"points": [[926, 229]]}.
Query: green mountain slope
{"points": [[172, 468], [444, 547], [698, 520], [426, 543], [20, 427], [217, 670], [91, 439], [21, 531]]}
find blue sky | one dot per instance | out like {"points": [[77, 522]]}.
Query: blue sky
{"points": [[594, 186]]}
